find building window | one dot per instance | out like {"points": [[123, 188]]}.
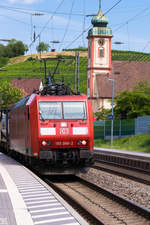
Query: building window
{"points": [[101, 52]]}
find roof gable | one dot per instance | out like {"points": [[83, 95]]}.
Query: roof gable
{"points": [[27, 85], [125, 74]]}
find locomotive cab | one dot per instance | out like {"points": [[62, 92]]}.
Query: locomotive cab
{"points": [[63, 138]]}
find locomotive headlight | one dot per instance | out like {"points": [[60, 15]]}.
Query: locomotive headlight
{"points": [[80, 130], [82, 142], [44, 143]]}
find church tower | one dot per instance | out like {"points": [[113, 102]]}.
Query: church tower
{"points": [[99, 55]]}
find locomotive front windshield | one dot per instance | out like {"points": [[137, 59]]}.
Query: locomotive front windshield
{"points": [[62, 110], [50, 110], [74, 110]]}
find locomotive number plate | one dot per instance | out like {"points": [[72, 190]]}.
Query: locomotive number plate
{"points": [[64, 142], [64, 130]]}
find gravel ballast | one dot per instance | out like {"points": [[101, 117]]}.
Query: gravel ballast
{"points": [[124, 187]]}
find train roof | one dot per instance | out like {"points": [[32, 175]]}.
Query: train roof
{"points": [[29, 99], [63, 98]]}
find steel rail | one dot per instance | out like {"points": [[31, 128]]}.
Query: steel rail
{"points": [[123, 171], [76, 205], [135, 208]]}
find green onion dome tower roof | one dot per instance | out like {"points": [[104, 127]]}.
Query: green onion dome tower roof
{"points": [[100, 20], [100, 25]]}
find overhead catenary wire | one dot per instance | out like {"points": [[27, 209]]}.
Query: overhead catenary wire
{"points": [[29, 11], [14, 9], [67, 25], [146, 46], [137, 58], [29, 24], [52, 33], [80, 35], [8, 17], [55, 12], [83, 26], [37, 26], [133, 18], [47, 23]]}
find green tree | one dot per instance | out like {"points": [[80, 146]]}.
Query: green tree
{"points": [[15, 48], [103, 114], [2, 50], [131, 104], [8, 94], [42, 47], [3, 61]]}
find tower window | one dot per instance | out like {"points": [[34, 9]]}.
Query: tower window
{"points": [[101, 52]]}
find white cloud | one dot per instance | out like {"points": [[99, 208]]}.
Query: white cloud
{"points": [[23, 1]]}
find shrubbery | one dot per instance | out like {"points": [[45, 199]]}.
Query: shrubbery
{"points": [[131, 104], [3, 61], [8, 94]]}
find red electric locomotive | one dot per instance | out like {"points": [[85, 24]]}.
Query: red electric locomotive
{"points": [[54, 133], [52, 129]]}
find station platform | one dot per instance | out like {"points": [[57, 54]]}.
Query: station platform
{"points": [[26, 200], [133, 154]]}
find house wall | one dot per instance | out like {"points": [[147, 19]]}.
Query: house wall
{"points": [[107, 104], [99, 103]]}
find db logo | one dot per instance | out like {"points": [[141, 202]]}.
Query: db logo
{"points": [[64, 130]]}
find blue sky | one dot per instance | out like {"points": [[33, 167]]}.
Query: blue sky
{"points": [[66, 20]]}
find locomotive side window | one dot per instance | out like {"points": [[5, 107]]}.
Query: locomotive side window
{"points": [[74, 110], [50, 110]]}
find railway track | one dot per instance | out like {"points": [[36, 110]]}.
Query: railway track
{"points": [[100, 206], [141, 177], [131, 166]]}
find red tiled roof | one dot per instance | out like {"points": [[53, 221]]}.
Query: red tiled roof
{"points": [[27, 85], [125, 74]]}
